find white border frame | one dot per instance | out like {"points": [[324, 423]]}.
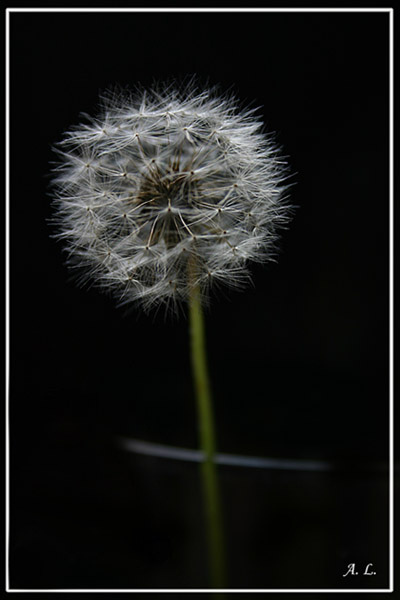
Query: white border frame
{"points": [[389, 11]]}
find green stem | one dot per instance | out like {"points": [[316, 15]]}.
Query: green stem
{"points": [[213, 513]]}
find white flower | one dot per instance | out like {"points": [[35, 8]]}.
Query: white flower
{"points": [[168, 189]]}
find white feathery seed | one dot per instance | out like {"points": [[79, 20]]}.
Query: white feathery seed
{"points": [[168, 189]]}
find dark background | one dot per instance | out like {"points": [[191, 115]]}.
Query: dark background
{"points": [[299, 362]]}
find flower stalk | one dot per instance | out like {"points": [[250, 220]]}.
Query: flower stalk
{"points": [[209, 476]]}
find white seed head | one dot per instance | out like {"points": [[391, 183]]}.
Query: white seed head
{"points": [[166, 190]]}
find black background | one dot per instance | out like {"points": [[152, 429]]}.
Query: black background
{"points": [[299, 361]]}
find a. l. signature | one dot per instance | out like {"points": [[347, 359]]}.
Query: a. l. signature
{"points": [[351, 570]]}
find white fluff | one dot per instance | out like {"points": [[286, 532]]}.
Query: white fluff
{"points": [[167, 189]]}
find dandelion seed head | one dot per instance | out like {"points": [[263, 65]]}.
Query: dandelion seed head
{"points": [[166, 190]]}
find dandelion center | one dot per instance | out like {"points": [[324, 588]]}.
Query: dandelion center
{"points": [[165, 192]]}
